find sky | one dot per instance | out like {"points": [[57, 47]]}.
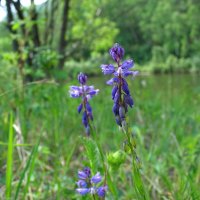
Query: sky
{"points": [[23, 2]]}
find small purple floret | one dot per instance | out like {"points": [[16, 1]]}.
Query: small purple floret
{"points": [[108, 69], [127, 64], [81, 184], [114, 90], [96, 178], [128, 100], [101, 191], [83, 191], [80, 108], [82, 175], [87, 171]]}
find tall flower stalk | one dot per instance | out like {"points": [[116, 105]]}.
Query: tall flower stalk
{"points": [[122, 100], [86, 92]]}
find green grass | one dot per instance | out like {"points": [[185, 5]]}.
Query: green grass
{"points": [[9, 165], [165, 119]]}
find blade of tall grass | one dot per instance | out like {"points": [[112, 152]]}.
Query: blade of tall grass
{"points": [[31, 167], [15, 145], [71, 152], [9, 165], [28, 165]]}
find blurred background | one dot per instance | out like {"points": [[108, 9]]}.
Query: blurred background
{"points": [[44, 36], [44, 44]]}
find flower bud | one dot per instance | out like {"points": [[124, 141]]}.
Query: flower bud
{"points": [[117, 52], [82, 78]]}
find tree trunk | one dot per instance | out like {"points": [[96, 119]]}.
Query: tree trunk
{"points": [[35, 30], [9, 25], [63, 42], [54, 6], [20, 14]]}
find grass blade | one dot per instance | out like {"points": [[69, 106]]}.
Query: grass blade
{"points": [[31, 166], [28, 164], [9, 165]]}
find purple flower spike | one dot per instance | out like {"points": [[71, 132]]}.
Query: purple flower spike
{"points": [[101, 191], [82, 78], [83, 191], [96, 178], [86, 92], [88, 185], [120, 92], [117, 52], [108, 69]]}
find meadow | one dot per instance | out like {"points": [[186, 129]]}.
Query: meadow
{"points": [[154, 153], [40, 157]]}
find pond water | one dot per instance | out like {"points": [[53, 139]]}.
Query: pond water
{"points": [[162, 102]]}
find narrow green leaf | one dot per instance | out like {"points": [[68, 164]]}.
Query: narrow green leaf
{"points": [[31, 167], [28, 164], [9, 165]]}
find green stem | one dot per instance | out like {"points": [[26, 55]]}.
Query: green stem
{"points": [[107, 174], [140, 191], [93, 197]]}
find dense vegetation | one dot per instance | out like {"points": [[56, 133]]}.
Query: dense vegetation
{"points": [[43, 48], [166, 124], [162, 36]]}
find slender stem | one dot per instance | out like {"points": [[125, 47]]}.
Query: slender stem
{"points": [[140, 191], [107, 174]]}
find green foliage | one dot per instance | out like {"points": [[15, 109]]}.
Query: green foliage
{"points": [[155, 33], [29, 166], [95, 32], [92, 151], [45, 62], [9, 166], [154, 30], [166, 124]]}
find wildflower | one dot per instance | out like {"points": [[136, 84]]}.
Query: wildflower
{"points": [[120, 92], [101, 191], [86, 92], [87, 184]]}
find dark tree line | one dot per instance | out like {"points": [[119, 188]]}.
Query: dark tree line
{"points": [[155, 32]]}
